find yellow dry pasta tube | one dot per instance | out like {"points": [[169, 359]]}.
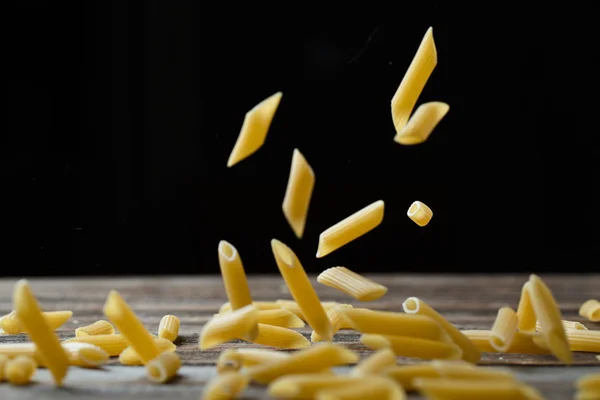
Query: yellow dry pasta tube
{"points": [[112, 344], [306, 386], [422, 123], [85, 355], [293, 307], [368, 388], [392, 323], [420, 213], [301, 289], [296, 201], [412, 347], [590, 310], [406, 374], [350, 228], [315, 358], [163, 368], [12, 350], [234, 276], [3, 361], [168, 328], [337, 318], [232, 360], [525, 315], [119, 313], [282, 338], [587, 341], [55, 319], [254, 129], [549, 316], [130, 357], [414, 81], [414, 305], [237, 324], [32, 320], [20, 370], [280, 317], [589, 382], [226, 386], [463, 370], [375, 363], [504, 329], [568, 325], [351, 283], [100, 327], [463, 389], [260, 305], [521, 343]]}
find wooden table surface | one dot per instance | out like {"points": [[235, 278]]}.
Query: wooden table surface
{"points": [[469, 301]]}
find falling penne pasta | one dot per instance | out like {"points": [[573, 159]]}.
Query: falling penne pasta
{"points": [[168, 328], [587, 341], [474, 389], [526, 318], [392, 323], [368, 388], [350, 228], [234, 276], [590, 310], [549, 316], [55, 319], [278, 337], [293, 307], [237, 324], [260, 305], [11, 350], [281, 317], [414, 305], [588, 382], [337, 318], [296, 201], [504, 329], [301, 289], [420, 213], [163, 368], [100, 327], [306, 386], [85, 355], [225, 386], [414, 81], [462, 370], [315, 358], [405, 375], [130, 357], [422, 123], [522, 343], [232, 360], [35, 324], [112, 344], [20, 370], [254, 129], [413, 347], [568, 325], [351, 283], [375, 363]]}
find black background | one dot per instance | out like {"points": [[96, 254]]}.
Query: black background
{"points": [[121, 117]]}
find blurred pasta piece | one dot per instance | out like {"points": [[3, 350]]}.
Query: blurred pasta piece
{"points": [[351, 283]]}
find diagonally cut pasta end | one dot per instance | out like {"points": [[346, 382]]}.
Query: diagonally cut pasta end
{"points": [[227, 251], [282, 252], [560, 348]]}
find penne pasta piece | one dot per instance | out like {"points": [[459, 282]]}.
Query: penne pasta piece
{"points": [[168, 328], [550, 319], [588, 382], [121, 315], [504, 329], [368, 388], [85, 355], [351, 283], [587, 395], [350, 228], [375, 363], [392, 323], [521, 343], [337, 318], [254, 129], [226, 386], [237, 324], [414, 81], [525, 315], [420, 213], [301, 289], [298, 193], [306, 386], [405, 375], [130, 357], [461, 370], [112, 344], [282, 338], [33, 322], [315, 358], [163, 368], [590, 310], [414, 305], [234, 276], [293, 307], [422, 123], [11, 350], [462, 389], [100, 327], [568, 325], [587, 341], [232, 360], [412, 347], [55, 319], [260, 305], [20, 370], [280, 317], [3, 361]]}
